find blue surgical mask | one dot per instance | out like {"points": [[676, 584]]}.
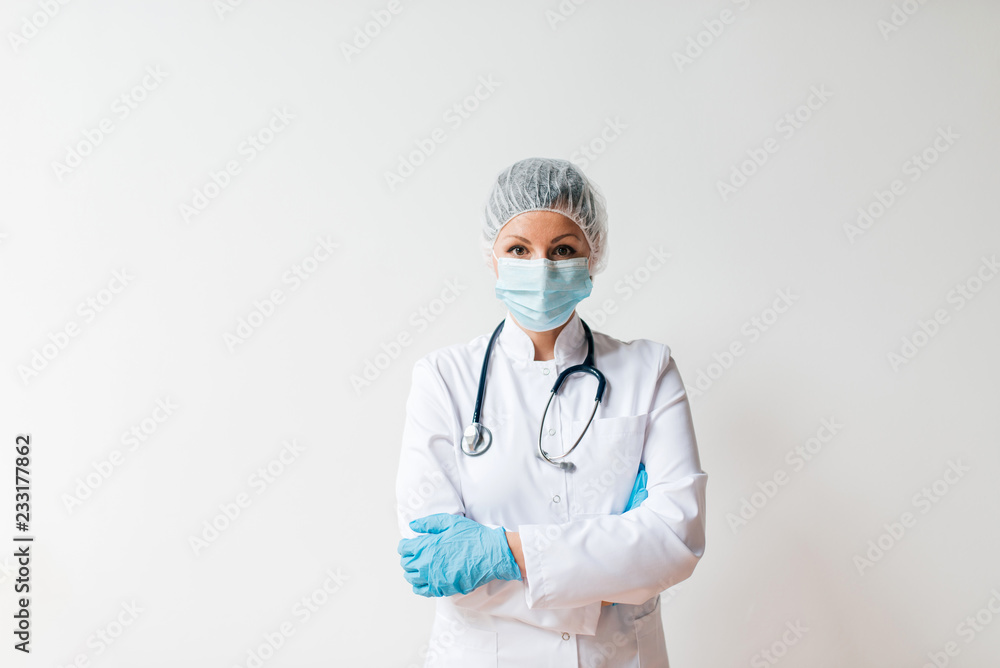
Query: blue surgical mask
{"points": [[541, 294]]}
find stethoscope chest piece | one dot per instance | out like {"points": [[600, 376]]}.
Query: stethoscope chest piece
{"points": [[476, 439]]}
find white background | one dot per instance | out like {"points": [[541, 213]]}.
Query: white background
{"points": [[560, 80]]}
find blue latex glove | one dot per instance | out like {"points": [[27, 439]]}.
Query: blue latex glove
{"points": [[639, 492], [455, 555]]}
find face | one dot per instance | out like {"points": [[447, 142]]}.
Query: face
{"points": [[536, 234]]}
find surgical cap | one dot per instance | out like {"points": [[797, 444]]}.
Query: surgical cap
{"points": [[547, 184]]}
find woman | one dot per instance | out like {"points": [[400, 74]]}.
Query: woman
{"points": [[526, 547]]}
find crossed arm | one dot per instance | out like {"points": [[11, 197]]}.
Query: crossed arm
{"points": [[514, 543], [455, 555], [564, 576]]}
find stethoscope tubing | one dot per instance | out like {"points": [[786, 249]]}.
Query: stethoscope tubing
{"points": [[476, 434]]}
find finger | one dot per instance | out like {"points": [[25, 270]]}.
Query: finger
{"points": [[637, 485], [434, 523], [408, 565], [415, 579], [415, 547], [640, 480], [407, 547]]}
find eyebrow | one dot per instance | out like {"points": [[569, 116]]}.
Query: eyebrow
{"points": [[570, 234]]}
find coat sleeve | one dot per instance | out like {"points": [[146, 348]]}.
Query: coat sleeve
{"points": [[427, 482], [630, 558]]}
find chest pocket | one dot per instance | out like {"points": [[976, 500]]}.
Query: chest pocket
{"points": [[607, 461]]}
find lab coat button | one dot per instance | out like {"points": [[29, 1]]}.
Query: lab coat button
{"points": [[545, 371], [565, 636], [552, 431], [556, 498]]}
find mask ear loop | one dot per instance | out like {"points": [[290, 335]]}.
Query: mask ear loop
{"points": [[590, 255]]}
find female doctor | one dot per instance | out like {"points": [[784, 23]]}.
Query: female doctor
{"points": [[516, 525]]}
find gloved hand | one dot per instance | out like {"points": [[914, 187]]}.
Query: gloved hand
{"points": [[455, 555], [639, 492]]}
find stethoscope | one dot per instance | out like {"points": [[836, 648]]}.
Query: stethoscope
{"points": [[477, 439]]}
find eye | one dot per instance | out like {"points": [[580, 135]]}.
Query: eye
{"points": [[517, 250], [564, 251]]}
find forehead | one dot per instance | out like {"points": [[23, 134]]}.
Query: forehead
{"points": [[540, 224]]}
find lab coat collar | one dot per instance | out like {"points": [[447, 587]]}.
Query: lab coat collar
{"points": [[570, 344]]}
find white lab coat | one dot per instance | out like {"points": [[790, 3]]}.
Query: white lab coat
{"points": [[579, 549]]}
